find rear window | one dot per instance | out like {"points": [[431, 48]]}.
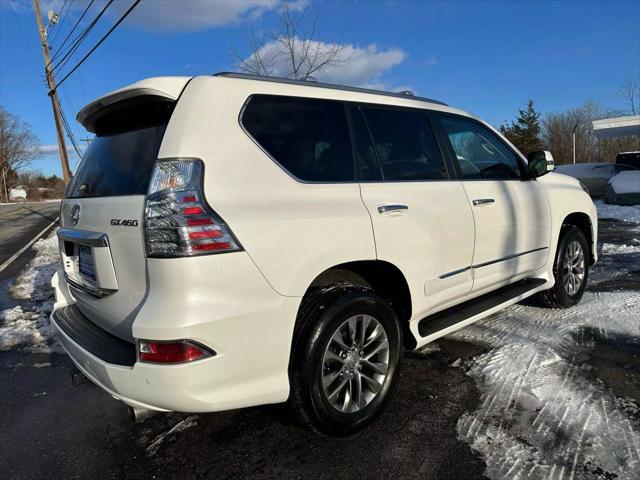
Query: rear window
{"points": [[118, 164], [309, 138]]}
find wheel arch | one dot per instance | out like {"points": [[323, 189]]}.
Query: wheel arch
{"points": [[582, 221], [384, 278]]}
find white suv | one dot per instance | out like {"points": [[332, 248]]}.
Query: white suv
{"points": [[232, 240]]}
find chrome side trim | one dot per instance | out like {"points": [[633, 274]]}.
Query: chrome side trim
{"points": [[455, 272], [91, 239], [491, 262], [508, 257]]}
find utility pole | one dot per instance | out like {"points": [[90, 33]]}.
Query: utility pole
{"points": [[574, 142], [51, 83]]}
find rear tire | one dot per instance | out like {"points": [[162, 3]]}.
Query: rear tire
{"points": [[570, 270], [346, 359]]}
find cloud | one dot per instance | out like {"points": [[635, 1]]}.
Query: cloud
{"points": [[53, 150], [354, 66], [190, 15], [177, 15]]}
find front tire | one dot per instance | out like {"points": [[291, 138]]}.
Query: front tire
{"points": [[570, 270], [346, 360]]}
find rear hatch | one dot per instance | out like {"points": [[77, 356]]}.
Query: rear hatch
{"points": [[101, 236]]}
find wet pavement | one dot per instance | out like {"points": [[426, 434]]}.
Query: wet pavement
{"points": [[50, 429]]}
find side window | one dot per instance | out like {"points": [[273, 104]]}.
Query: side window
{"points": [[309, 138], [405, 144], [367, 162], [480, 153]]}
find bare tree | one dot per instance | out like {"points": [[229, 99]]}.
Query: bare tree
{"points": [[290, 50], [630, 91], [18, 146], [557, 129]]}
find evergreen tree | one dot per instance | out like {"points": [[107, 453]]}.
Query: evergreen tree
{"points": [[524, 132]]}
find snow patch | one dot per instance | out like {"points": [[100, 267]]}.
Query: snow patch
{"points": [[612, 249], [25, 327], [182, 425], [34, 283], [30, 329], [541, 414], [619, 212]]}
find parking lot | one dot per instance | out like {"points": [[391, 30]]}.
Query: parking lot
{"points": [[526, 393]]}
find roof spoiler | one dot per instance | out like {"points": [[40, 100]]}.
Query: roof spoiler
{"points": [[162, 88]]}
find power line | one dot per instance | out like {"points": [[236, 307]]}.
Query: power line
{"points": [[70, 134], [79, 38], [72, 30], [70, 103], [24, 37], [104, 37]]}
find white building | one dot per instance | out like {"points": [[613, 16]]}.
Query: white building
{"points": [[616, 127]]}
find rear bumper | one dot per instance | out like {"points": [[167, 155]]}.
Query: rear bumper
{"points": [[228, 307]]}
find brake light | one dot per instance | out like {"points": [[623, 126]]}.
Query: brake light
{"points": [[178, 221], [171, 352]]}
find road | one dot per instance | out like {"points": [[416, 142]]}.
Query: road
{"points": [[50, 429], [19, 223]]}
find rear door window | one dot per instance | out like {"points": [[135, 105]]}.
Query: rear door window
{"points": [[118, 164], [367, 161], [309, 138], [405, 144]]}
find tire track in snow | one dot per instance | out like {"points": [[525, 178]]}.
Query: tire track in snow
{"points": [[542, 416]]}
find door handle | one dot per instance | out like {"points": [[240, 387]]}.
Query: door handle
{"points": [[382, 209], [483, 201]]}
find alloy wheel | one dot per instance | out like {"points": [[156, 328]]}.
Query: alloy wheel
{"points": [[355, 363], [573, 268]]}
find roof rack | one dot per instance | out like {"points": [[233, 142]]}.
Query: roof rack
{"points": [[313, 83]]}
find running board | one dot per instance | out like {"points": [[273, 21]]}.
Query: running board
{"points": [[464, 311]]}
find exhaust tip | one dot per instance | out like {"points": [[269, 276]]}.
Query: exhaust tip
{"points": [[139, 415], [78, 378]]}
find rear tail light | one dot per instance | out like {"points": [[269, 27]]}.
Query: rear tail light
{"points": [[178, 221], [171, 352]]}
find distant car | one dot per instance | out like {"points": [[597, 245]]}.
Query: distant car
{"points": [[594, 176], [628, 158], [18, 194], [624, 188]]}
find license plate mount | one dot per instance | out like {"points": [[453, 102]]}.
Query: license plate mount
{"points": [[86, 265]]}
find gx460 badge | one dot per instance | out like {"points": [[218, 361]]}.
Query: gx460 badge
{"points": [[124, 223]]}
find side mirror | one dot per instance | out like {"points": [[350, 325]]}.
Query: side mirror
{"points": [[540, 163]]}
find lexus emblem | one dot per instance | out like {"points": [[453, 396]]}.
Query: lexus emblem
{"points": [[75, 214]]}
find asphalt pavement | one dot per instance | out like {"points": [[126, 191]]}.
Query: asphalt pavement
{"points": [[51, 429], [19, 223]]}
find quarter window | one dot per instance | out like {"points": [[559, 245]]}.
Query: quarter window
{"points": [[309, 138], [479, 152], [405, 144]]}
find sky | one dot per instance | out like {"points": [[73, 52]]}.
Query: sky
{"points": [[486, 57]]}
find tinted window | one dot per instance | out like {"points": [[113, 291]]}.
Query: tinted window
{"points": [[309, 138], [480, 153], [118, 164], [405, 144], [366, 156]]}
